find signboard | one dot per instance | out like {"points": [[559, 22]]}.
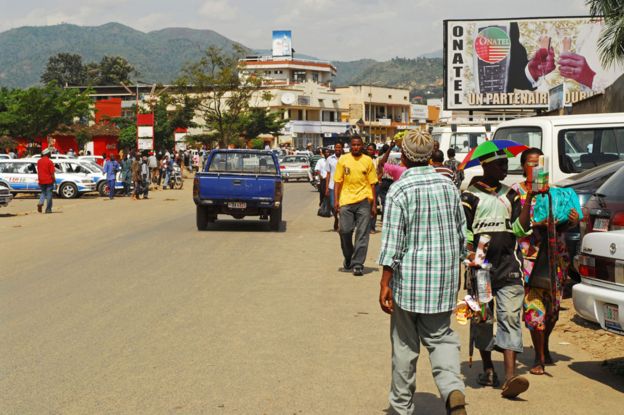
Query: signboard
{"points": [[420, 112], [282, 43], [514, 63], [145, 131], [555, 97], [145, 144]]}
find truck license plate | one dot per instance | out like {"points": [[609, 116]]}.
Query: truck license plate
{"points": [[237, 205], [601, 224], [611, 317]]}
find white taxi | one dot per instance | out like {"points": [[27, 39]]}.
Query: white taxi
{"points": [[599, 297]]}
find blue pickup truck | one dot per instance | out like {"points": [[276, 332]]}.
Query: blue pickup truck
{"points": [[239, 183]]}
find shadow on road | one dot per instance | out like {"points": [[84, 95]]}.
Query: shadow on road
{"points": [[598, 372], [243, 226], [425, 403]]}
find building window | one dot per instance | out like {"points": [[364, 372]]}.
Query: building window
{"points": [[299, 76], [315, 77]]}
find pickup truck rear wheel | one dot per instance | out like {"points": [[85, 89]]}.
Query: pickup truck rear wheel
{"points": [[202, 218], [276, 219]]}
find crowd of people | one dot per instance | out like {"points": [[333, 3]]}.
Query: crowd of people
{"points": [[429, 229]]}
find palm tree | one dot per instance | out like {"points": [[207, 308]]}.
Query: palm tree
{"points": [[611, 43]]}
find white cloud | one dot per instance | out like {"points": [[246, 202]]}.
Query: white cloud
{"points": [[218, 10]]}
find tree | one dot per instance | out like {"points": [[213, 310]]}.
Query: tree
{"points": [[113, 70], [38, 111], [611, 43], [221, 96], [167, 120], [260, 121], [65, 69]]}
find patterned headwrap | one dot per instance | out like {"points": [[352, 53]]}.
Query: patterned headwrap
{"points": [[417, 146]]}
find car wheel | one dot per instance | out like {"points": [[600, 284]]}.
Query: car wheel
{"points": [[68, 191], [202, 218], [276, 219], [102, 188]]}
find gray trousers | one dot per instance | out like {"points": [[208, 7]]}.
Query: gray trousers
{"points": [[356, 217], [408, 330]]}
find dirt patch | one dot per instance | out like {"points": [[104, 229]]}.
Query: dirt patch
{"points": [[589, 336]]}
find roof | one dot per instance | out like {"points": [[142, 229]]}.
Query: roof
{"points": [[557, 120]]}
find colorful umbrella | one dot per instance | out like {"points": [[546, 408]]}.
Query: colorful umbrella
{"points": [[510, 147]]}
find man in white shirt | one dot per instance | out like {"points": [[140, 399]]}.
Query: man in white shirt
{"points": [[319, 169], [330, 168]]}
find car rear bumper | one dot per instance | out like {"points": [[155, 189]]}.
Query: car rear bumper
{"points": [[295, 174], [589, 302]]}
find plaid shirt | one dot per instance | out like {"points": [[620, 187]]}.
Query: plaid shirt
{"points": [[423, 240]]}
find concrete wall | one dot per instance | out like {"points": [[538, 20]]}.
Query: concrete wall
{"points": [[612, 100]]}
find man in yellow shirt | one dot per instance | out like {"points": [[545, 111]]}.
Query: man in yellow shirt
{"points": [[354, 195]]}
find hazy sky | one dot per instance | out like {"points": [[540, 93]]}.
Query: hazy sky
{"points": [[327, 29]]}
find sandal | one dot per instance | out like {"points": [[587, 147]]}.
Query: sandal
{"points": [[537, 369], [488, 378], [456, 403], [514, 387]]}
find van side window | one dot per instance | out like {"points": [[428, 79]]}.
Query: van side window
{"points": [[464, 142], [583, 149], [529, 136]]}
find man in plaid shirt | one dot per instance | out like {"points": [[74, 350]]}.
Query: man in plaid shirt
{"points": [[423, 240]]}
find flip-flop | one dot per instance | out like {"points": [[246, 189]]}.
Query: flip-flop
{"points": [[488, 379], [537, 369], [514, 387]]}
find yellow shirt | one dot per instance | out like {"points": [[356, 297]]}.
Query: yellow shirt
{"points": [[357, 175]]}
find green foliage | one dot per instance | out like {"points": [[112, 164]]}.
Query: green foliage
{"points": [[220, 96], [38, 111], [260, 121], [65, 69], [198, 140], [128, 136], [7, 142], [611, 42], [112, 70], [257, 144]]}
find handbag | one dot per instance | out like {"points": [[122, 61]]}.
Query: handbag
{"points": [[540, 276], [564, 199], [324, 210]]}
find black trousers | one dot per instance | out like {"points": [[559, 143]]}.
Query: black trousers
{"points": [[322, 190]]}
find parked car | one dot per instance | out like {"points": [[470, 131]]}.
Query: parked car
{"points": [[99, 160], [295, 168], [604, 211], [239, 183], [5, 195], [5, 157], [573, 143], [600, 295], [585, 184], [90, 170], [20, 175]]}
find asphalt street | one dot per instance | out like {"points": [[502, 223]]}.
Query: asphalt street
{"points": [[123, 307]]}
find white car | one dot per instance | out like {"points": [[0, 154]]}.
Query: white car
{"points": [[599, 297], [20, 175], [295, 168], [5, 195]]}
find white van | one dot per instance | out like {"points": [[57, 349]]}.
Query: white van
{"points": [[462, 140], [573, 143]]}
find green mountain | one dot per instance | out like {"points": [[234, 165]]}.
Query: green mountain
{"points": [[159, 55]]}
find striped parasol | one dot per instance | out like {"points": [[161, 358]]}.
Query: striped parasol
{"points": [[511, 148]]}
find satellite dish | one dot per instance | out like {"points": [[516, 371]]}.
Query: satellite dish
{"points": [[288, 98]]}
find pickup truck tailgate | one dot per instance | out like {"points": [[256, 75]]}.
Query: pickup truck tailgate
{"points": [[237, 187]]}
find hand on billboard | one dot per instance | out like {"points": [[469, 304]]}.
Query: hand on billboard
{"points": [[575, 67], [542, 63]]}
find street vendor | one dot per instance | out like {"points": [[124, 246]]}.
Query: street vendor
{"points": [[495, 210]]}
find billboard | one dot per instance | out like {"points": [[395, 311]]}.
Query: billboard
{"points": [[282, 43], [514, 63]]}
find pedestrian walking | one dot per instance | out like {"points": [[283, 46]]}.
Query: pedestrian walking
{"points": [[330, 168], [354, 195], [453, 164], [371, 151], [126, 174], [136, 176], [145, 177], [196, 162], [111, 167], [320, 170], [46, 178], [494, 210], [420, 278], [153, 166], [437, 162], [541, 305]]}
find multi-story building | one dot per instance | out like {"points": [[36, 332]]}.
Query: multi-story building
{"points": [[378, 112], [301, 91]]}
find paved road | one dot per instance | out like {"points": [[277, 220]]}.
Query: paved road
{"points": [[123, 307]]}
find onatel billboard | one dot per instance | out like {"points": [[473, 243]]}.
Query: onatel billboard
{"points": [[282, 43], [514, 63]]}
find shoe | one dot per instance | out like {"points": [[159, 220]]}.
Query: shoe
{"points": [[358, 271], [514, 387], [488, 378], [48, 211], [39, 208], [456, 403], [346, 265]]}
